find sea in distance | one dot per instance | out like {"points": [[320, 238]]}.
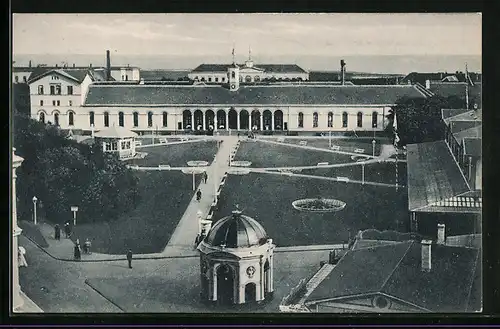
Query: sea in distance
{"points": [[387, 64]]}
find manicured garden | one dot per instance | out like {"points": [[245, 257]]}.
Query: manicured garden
{"points": [[176, 155], [263, 154], [268, 199], [346, 145], [164, 196]]}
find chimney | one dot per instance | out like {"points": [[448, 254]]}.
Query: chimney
{"points": [[342, 72], [427, 84], [108, 66], [73, 65], [441, 234], [90, 65], [426, 255], [56, 65], [30, 63]]}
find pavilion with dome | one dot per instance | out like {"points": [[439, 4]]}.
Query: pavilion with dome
{"points": [[236, 261]]}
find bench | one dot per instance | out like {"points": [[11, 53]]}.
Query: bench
{"points": [[163, 166], [335, 147], [303, 143], [359, 150], [343, 179], [138, 143], [322, 164], [280, 139], [163, 141], [184, 139]]}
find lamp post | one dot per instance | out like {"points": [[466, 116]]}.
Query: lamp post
{"points": [[373, 147], [35, 200], [363, 173], [74, 209]]}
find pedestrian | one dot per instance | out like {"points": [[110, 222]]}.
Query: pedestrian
{"points": [[20, 256], [77, 251], [57, 232], [129, 258], [198, 195], [86, 246], [205, 176]]}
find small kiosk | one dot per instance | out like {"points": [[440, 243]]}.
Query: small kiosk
{"points": [[117, 140]]}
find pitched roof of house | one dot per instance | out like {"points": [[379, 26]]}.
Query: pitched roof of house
{"points": [[433, 176], [395, 270], [74, 74], [474, 132], [158, 75], [115, 132], [472, 146], [274, 68], [447, 89], [144, 95], [449, 113], [421, 77]]}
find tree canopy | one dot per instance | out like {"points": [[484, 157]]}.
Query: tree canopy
{"points": [[62, 173]]}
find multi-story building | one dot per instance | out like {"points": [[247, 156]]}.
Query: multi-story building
{"points": [[232, 106]]}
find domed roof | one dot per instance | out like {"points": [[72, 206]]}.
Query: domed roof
{"points": [[236, 231]]}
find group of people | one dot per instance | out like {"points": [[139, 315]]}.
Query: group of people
{"points": [[67, 231], [78, 250]]}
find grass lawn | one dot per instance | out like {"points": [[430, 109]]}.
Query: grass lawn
{"points": [[31, 231], [271, 155], [169, 138], [268, 198], [146, 229], [346, 145], [176, 155]]}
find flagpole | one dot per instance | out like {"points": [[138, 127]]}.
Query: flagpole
{"points": [[466, 87]]}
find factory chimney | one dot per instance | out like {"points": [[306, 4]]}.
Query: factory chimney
{"points": [[30, 63], [426, 255], [342, 72], [108, 66]]}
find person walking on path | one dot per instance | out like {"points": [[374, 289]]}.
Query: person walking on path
{"points": [[86, 246], [67, 230], [129, 258], [57, 232], [205, 176], [77, 251], [198, 195]]}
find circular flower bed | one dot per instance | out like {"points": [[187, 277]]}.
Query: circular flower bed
{"points": [[318, 205], [238, 171], [359, 158], [197, 163], [241, 163]]}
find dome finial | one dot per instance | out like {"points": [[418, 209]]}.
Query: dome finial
{"points": [[237, 211]]}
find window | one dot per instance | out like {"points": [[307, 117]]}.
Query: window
{"points": [[209, 79], [256, 78], [70, 90], [108, 146], [360, 119], [53, 103], [315, 120], [58, 103], [41, 102], [56, 119], [223, 79], [150, 119], [126, 77], [301, 120], [123, 78], [330, 119], [114, 146], [164, 119], [41, 117], [121, 122], [233, 75], [374, 119], [71, 118], [196, 77], [58, 89], [106, 119], [91, 118], [248, 78], [203, 79], [136, 119], [216, 79], [40, 90], [344, 120], [25, 79], [70, 103], [16, 79]]}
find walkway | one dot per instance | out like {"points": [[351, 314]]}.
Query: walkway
{"points": [[187, 229]]}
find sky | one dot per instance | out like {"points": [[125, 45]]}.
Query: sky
{"points": [[265, 34]]}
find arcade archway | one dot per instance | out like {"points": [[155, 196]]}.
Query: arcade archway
{"points": [[225, 284]]}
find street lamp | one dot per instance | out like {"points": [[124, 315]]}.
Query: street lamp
{"points": [[74, 209], [35, 200], [363, 173], [373, 147]]}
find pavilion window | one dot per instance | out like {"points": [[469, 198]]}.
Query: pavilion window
{"points": [[374, 119], [344, 120], [165, 119], [41, 103], [301, 120], [107, 146], [42, 117], [56, 119], [114, 146], [58, 89], [233, 75], [91, 118], [315, 120], [360, 119], [330, 119], [121, 120], [40, 90], [70, 90], [71, 118], [136, 119], [150, 119], [106, 119]]}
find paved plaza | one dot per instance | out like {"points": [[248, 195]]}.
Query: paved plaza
{"points": [[168, 281]]}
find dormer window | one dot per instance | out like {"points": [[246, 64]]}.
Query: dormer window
{"points": [[233, 75]]}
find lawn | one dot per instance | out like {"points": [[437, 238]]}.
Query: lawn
{"points": [[147, 229], [272, 155], [176, 155], [346, 145], [268, 199]]}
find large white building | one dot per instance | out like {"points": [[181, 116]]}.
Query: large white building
{"points": [[78, 102]]}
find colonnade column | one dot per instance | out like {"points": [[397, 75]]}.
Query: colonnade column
{"points": [[192, 120], [215, 122], [203, 121], [261, 121], [227, 120], [237, 120], [272, 120]]}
